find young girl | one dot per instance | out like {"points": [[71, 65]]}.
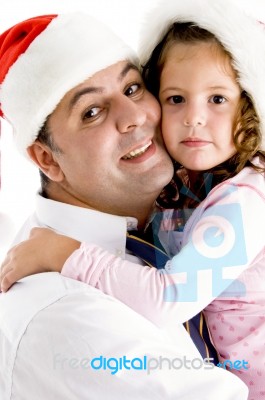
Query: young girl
{"points": [[212, 123]]}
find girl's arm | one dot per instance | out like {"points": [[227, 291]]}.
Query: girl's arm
{"points": [[195, 276], [137, 286], [222, 239]]}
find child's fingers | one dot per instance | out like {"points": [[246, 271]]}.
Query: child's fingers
{"points": [[8, 276], [3, 267], [10, 271]]}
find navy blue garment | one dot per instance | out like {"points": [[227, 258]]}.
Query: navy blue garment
{"points": [[156, 257]]}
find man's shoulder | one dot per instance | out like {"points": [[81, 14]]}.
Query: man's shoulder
{"points": [[51, 294], [24, 230], [30, 295], [18, 308]]}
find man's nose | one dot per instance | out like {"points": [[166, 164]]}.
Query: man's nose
{"points": [[129, 115]]}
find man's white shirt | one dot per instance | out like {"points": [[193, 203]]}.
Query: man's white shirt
{"points": [[60, 339]]}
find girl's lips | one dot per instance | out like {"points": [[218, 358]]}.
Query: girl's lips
{"points": [[195, 143]]}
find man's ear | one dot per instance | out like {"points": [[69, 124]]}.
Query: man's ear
{"points": [[43, 156]]}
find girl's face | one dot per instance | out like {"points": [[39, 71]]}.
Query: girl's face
{"points": [[199, 97]]}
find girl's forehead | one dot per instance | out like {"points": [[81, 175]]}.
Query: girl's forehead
{"points": [[208, 50], [193, 49], [200, 66]]}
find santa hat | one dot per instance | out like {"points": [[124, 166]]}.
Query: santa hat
{"points": [[42, 58], [243, 36]]}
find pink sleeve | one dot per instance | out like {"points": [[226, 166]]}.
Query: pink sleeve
{"points": [[178, 292], [140, 287]]}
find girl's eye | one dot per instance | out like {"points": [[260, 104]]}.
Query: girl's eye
{"points": [[217, 99], [92, 112], [132, 89], [176, 99]]}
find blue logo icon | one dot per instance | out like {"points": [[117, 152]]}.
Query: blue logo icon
{"points": [[217, 242]]}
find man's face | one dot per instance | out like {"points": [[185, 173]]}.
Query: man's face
{"points": [[112, 154]]}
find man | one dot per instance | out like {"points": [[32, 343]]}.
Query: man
{"points": [[79, 109]]}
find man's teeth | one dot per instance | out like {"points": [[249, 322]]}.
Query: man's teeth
{"points": [[137, 152]]}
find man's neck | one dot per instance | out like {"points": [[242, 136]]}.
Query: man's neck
{"points": [[137, 209]]}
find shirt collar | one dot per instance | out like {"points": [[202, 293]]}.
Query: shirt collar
{"points": [[83, 224]]}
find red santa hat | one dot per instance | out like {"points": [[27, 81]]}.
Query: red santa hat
{"points": [[242, 35], [42, 58]]}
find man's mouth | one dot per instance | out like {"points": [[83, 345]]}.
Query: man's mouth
{"points": [[137, 152]]}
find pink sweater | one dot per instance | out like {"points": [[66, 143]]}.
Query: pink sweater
{"points": [[236, 208]]}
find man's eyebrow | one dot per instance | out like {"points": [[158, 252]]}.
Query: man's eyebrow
{"points": [[83, 92], [128, 67]]}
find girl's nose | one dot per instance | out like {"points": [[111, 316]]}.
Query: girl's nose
{"points": [[195, 116]]}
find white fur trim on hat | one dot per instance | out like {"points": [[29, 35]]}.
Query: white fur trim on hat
{"points": [[70, 50], [240, 34]]}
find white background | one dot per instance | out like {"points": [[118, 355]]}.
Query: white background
{"points": [[20, 179]]}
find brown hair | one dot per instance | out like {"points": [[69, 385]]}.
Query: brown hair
{"points": [[247, 137]]}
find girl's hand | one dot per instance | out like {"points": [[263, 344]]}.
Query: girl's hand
{"points": [[44, 251]]}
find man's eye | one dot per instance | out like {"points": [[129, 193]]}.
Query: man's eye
{"points": [[132, 89], [92, 112], [176, 99], [217, 99]]}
